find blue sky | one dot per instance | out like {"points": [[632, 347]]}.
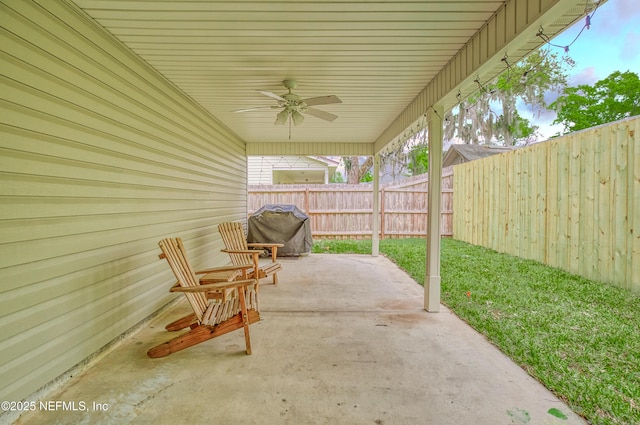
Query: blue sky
{"points": [[612, 43]]}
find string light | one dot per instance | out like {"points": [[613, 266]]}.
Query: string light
{"points": [[544, 53], [504, 59], [587, 25], [435, 112], [480, 86], [400, 142]]}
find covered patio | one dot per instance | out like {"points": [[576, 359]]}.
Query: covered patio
{"points": [[118, 127], [344, 339]]}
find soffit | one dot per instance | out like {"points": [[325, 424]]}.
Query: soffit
{"points": [[376, 56]]}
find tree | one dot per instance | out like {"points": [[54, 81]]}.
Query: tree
{"points": [[610, 99], [367, 178], [408, 157], [355, 168], [337, 178], [521, 130], [490, 116], [418, 159]]}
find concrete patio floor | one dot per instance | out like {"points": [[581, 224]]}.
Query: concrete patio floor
{"points": [[343, 340]]}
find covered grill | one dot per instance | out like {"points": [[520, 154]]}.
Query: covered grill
{"points": [[281, 223]]}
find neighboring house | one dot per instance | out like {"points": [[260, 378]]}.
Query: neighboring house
{"points": [[290, 169], [459, 153]]}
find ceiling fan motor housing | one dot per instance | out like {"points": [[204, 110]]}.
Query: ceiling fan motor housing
{"points": [[290, 84]]}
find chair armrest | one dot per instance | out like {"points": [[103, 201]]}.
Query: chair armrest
{"points": [[274, 248], [224, 268], [242, 251], [253, 252], [265, 245], [209, 287]]}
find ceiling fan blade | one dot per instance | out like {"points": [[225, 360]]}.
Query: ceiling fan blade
{"points": [[320, 114], [257, 108], [273, 95], [322, 100]]}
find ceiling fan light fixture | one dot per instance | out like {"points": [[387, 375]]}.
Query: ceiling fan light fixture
{"points": [[297, 117], [281, 118]]}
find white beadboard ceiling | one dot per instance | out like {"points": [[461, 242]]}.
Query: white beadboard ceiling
{"points": [[376, 56]]}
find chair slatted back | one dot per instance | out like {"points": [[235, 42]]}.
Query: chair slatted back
{"points": [[233, 237], [176, 255]]}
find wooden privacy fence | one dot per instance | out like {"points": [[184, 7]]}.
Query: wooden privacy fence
{"points": [[340, 211], [572, 202]]}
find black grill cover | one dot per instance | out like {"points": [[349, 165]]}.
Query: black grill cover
{"points": [[284, 224]]}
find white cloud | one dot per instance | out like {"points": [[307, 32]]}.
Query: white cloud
{"points": [[615, 15], [630, 50], [588, 76]]}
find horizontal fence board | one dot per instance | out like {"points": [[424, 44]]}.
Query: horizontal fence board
{"points": [[338, 211]]}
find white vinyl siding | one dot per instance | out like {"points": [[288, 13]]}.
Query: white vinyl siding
{"points": [[259, 170], [267, 170], [100, 158]]}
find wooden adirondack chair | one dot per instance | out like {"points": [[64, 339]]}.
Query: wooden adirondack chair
{"points": [[218, 308], [242, 253]]}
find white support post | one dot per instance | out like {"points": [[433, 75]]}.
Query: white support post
{"points": [[432, 278], [375, 219]]}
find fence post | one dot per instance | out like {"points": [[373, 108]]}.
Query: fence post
{"points": [[382, 213], [306, 201]]}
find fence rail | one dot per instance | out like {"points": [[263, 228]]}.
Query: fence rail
{"points": [[340, 211]]}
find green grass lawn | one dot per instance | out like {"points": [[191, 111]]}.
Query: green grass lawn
{"points": [[578, 337]]}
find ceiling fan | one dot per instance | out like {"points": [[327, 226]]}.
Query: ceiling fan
{"points": [[293, 107]]}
